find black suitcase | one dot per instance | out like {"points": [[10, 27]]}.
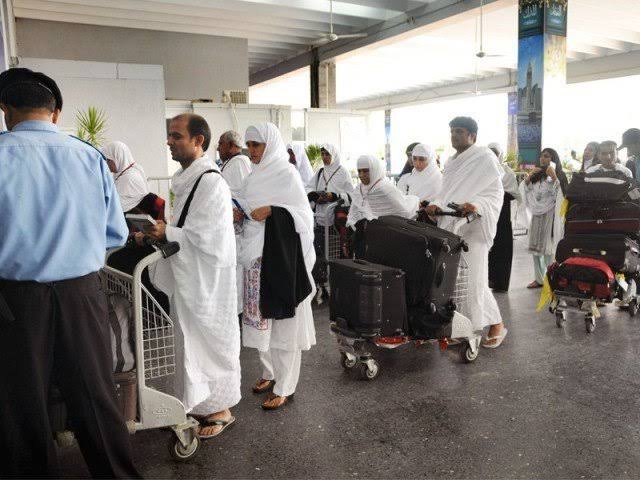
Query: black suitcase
{"points": [[429, 256], [620, 217], [620, 252], [602, 187], [367, 299]]}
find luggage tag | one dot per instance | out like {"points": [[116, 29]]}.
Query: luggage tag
{"points": [[634, 194]]}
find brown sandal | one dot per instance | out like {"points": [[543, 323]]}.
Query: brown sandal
{"points": [[263, 385], [274, 402]]}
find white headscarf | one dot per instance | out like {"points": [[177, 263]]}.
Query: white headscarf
{"points": [[509, 180], [273, 182], [335, 158], [302, 162], [380, 197], [427, 183], [130, 180]]}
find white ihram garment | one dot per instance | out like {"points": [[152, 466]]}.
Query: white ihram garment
{"points": [[474, 176], [275, 182], [333, 178], [380, 197], [200, 281], [425, 184], [234, 171]]}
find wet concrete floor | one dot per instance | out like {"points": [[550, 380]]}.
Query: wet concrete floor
{"points": [[549, 403]]}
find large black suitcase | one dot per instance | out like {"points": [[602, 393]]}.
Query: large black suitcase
{"points": [[430, 257], [619, 217], [368, 299], [620, 252], [602, 187]]}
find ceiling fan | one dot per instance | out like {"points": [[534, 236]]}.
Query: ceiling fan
{"points": [[481, 53], [331, 36]]}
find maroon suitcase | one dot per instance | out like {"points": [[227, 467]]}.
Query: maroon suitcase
{"points": [[619, 217]]}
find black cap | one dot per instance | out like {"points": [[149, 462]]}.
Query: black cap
{"points": [[15, 76], [630, 137]]}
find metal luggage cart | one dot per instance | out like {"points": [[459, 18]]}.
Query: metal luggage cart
{"points": [[155, 353], [354, 349], [565, 302]]}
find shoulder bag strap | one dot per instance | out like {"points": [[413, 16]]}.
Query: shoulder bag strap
{"points": [[185, 209]]}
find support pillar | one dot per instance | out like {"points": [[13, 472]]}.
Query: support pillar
{"points": [[322, 76], [4, 44], [327, 84], [542, 76]]}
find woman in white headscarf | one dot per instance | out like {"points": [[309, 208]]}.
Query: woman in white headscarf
{"points": [[330, 186], [501, 253], [425, 180], [272, 185], [298, 157], [376, 196], [130, 180]]}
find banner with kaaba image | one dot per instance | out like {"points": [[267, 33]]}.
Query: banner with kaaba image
{"points": [[542, 27]]}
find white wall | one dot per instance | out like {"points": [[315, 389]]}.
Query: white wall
{"points": [[195, 66], [132, 96], [223, 117]]}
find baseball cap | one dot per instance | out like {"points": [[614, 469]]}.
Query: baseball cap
{"points": [[630, 137]]}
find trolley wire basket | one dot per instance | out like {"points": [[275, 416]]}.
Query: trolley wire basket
{"points": [[157, 328], [461, 290]]}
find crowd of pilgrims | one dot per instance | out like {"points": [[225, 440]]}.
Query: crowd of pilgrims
{"points": [[250, 263], [252, 245]]}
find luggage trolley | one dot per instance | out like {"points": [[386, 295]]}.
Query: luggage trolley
{"points": [[155, 356], [565, 301], [354, 349]]}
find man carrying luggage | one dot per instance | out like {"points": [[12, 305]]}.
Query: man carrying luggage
{"points": [[472, 178], [60, 212]]}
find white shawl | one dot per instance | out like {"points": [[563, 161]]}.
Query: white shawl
{"points": [[427, 183], [201, 281], [541, 196], [130, 180], [302, 162], [475, 177], [331, 178], [235, 170], [275, 182], [380, 197]]}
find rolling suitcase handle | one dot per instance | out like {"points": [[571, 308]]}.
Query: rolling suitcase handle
{"points": [[601, 253]]}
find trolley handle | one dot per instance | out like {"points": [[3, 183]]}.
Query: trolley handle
{"points": [[168, 249]]}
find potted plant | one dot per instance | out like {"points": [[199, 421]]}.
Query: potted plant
{"points": [[91, 125]]}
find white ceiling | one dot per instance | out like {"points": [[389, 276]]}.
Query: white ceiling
{"points": [[276, 29], [443, 54]]}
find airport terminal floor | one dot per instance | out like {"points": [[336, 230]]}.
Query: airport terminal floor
{"points": [[549, 403]]}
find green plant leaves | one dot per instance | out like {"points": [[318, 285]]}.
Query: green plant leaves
{"points": [[91, 125]]}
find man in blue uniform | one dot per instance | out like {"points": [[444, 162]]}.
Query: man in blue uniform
{"points": [[60, 212]]}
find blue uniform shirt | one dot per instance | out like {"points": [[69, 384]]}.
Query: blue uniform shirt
{"points": [[59, 209]]}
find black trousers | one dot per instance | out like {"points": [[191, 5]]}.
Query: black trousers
{"points": [[60, 334]]}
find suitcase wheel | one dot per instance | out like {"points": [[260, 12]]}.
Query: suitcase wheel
{"points": [[467, 354], [369, 369], [560, 319], [633, 307], [348, 361]]}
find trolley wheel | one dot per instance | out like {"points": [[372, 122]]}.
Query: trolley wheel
{"points": [[183, 454], [590, 324], [467, 354], [633, 307], [369, 371], [560, 319], [347, 362]]}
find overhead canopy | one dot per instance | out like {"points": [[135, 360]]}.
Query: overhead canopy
{"points": [[276, 29]]}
